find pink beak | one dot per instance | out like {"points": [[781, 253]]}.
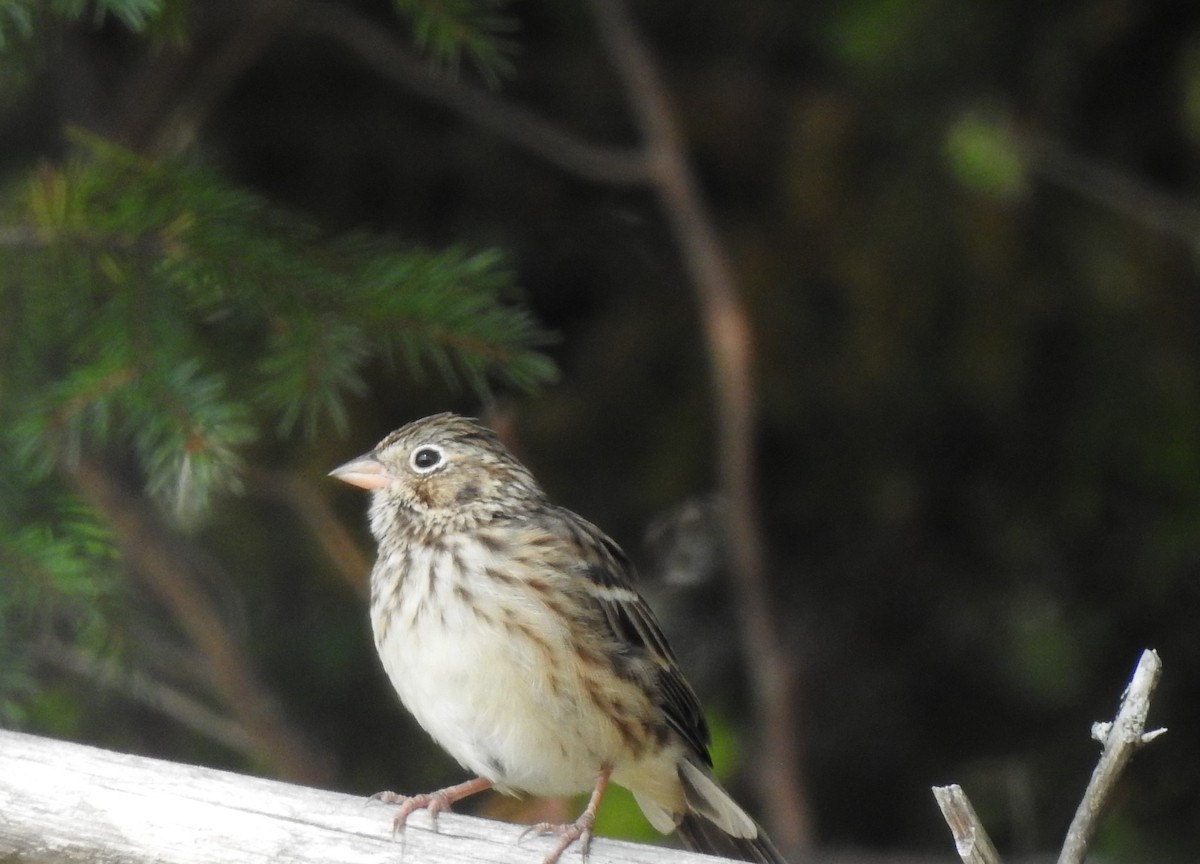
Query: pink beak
{"points": [[366, 472]]}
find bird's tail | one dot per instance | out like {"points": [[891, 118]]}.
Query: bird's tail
{"points": [[716, 825], [700, 835]]}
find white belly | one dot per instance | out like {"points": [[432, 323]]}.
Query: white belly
{"points": [[458, 652]]}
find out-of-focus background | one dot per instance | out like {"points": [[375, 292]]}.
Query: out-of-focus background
{"points": [[241, 241]]}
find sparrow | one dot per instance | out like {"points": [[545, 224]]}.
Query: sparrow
{"points": [[511, 630]]}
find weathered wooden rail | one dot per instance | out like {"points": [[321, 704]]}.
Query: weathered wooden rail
{"points": [[62, 802]]}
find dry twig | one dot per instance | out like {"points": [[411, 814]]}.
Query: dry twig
{"points": [[970, 839], [1121, 738]]}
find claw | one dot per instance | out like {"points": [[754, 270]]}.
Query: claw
{"points": [[580, 829], [434, 802]]}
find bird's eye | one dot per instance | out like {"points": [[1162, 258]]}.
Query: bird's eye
{"points": [[425, 458]]}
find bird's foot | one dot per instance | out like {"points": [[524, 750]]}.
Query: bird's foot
{"points": [[435, 802], [580, 829]]}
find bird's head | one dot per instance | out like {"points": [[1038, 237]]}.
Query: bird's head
{"points": [[443, 468]]}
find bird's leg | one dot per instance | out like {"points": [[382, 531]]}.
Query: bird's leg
{"points": [[580, 829], [434, 802]]}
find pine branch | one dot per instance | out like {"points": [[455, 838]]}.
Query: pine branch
{"points": [[447, 30], [20, 19], [153, 288]]}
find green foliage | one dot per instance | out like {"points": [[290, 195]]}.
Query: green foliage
{"points": [[58, 579], [449, 29], [983, 155], [620, 816], [158, 310], [19, 19], [872, 34]]}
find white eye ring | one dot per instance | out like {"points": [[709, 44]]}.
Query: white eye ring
{"points": [[426, 458]]}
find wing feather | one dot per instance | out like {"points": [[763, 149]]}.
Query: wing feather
{"points": [[610, 580]]}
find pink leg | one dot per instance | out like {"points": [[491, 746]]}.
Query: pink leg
{"points": [[580, 829], [434, 802]]}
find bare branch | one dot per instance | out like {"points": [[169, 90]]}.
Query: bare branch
{"points": [[728, 333], [1096, 181], [21, 236], [1121, 739], [970, 839], [173, 575], [141, 688], [348, 558], [176, 90], [386, 55], [240, 47]]}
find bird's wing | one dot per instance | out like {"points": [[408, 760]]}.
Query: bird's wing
{"points": [[634, 628]]}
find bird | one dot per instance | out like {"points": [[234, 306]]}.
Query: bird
{"points": [[511, 630]]}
